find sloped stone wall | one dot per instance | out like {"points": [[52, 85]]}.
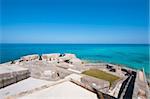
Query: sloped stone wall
{"points": [[8, 78]]}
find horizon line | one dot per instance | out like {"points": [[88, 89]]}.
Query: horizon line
{"points": [[85, 43]]}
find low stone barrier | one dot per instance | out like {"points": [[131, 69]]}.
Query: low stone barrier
{"points": [[12, 74]]}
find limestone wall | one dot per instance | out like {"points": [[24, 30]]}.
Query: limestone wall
{"points": [[100, 85], [141, 89], [50, 57], [30, 57], [75, 61], [12, 74], [67, 56]]}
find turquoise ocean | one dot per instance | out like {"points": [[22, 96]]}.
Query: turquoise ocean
{"points": [[135, 56]]}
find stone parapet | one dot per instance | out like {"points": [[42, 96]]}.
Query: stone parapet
{"points": [[12, 74]]}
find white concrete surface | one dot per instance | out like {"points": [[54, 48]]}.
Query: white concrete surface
{"points": [[74, 77], [12, 68], [76, 71], [24, 85], [65, 90]]}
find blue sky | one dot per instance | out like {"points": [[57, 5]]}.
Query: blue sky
{"points": [[74, 21]]}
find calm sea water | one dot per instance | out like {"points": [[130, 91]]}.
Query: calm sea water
{"points": [[134, 56]]}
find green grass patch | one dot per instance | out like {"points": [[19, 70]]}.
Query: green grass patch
{"points": [[101, 75]]}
